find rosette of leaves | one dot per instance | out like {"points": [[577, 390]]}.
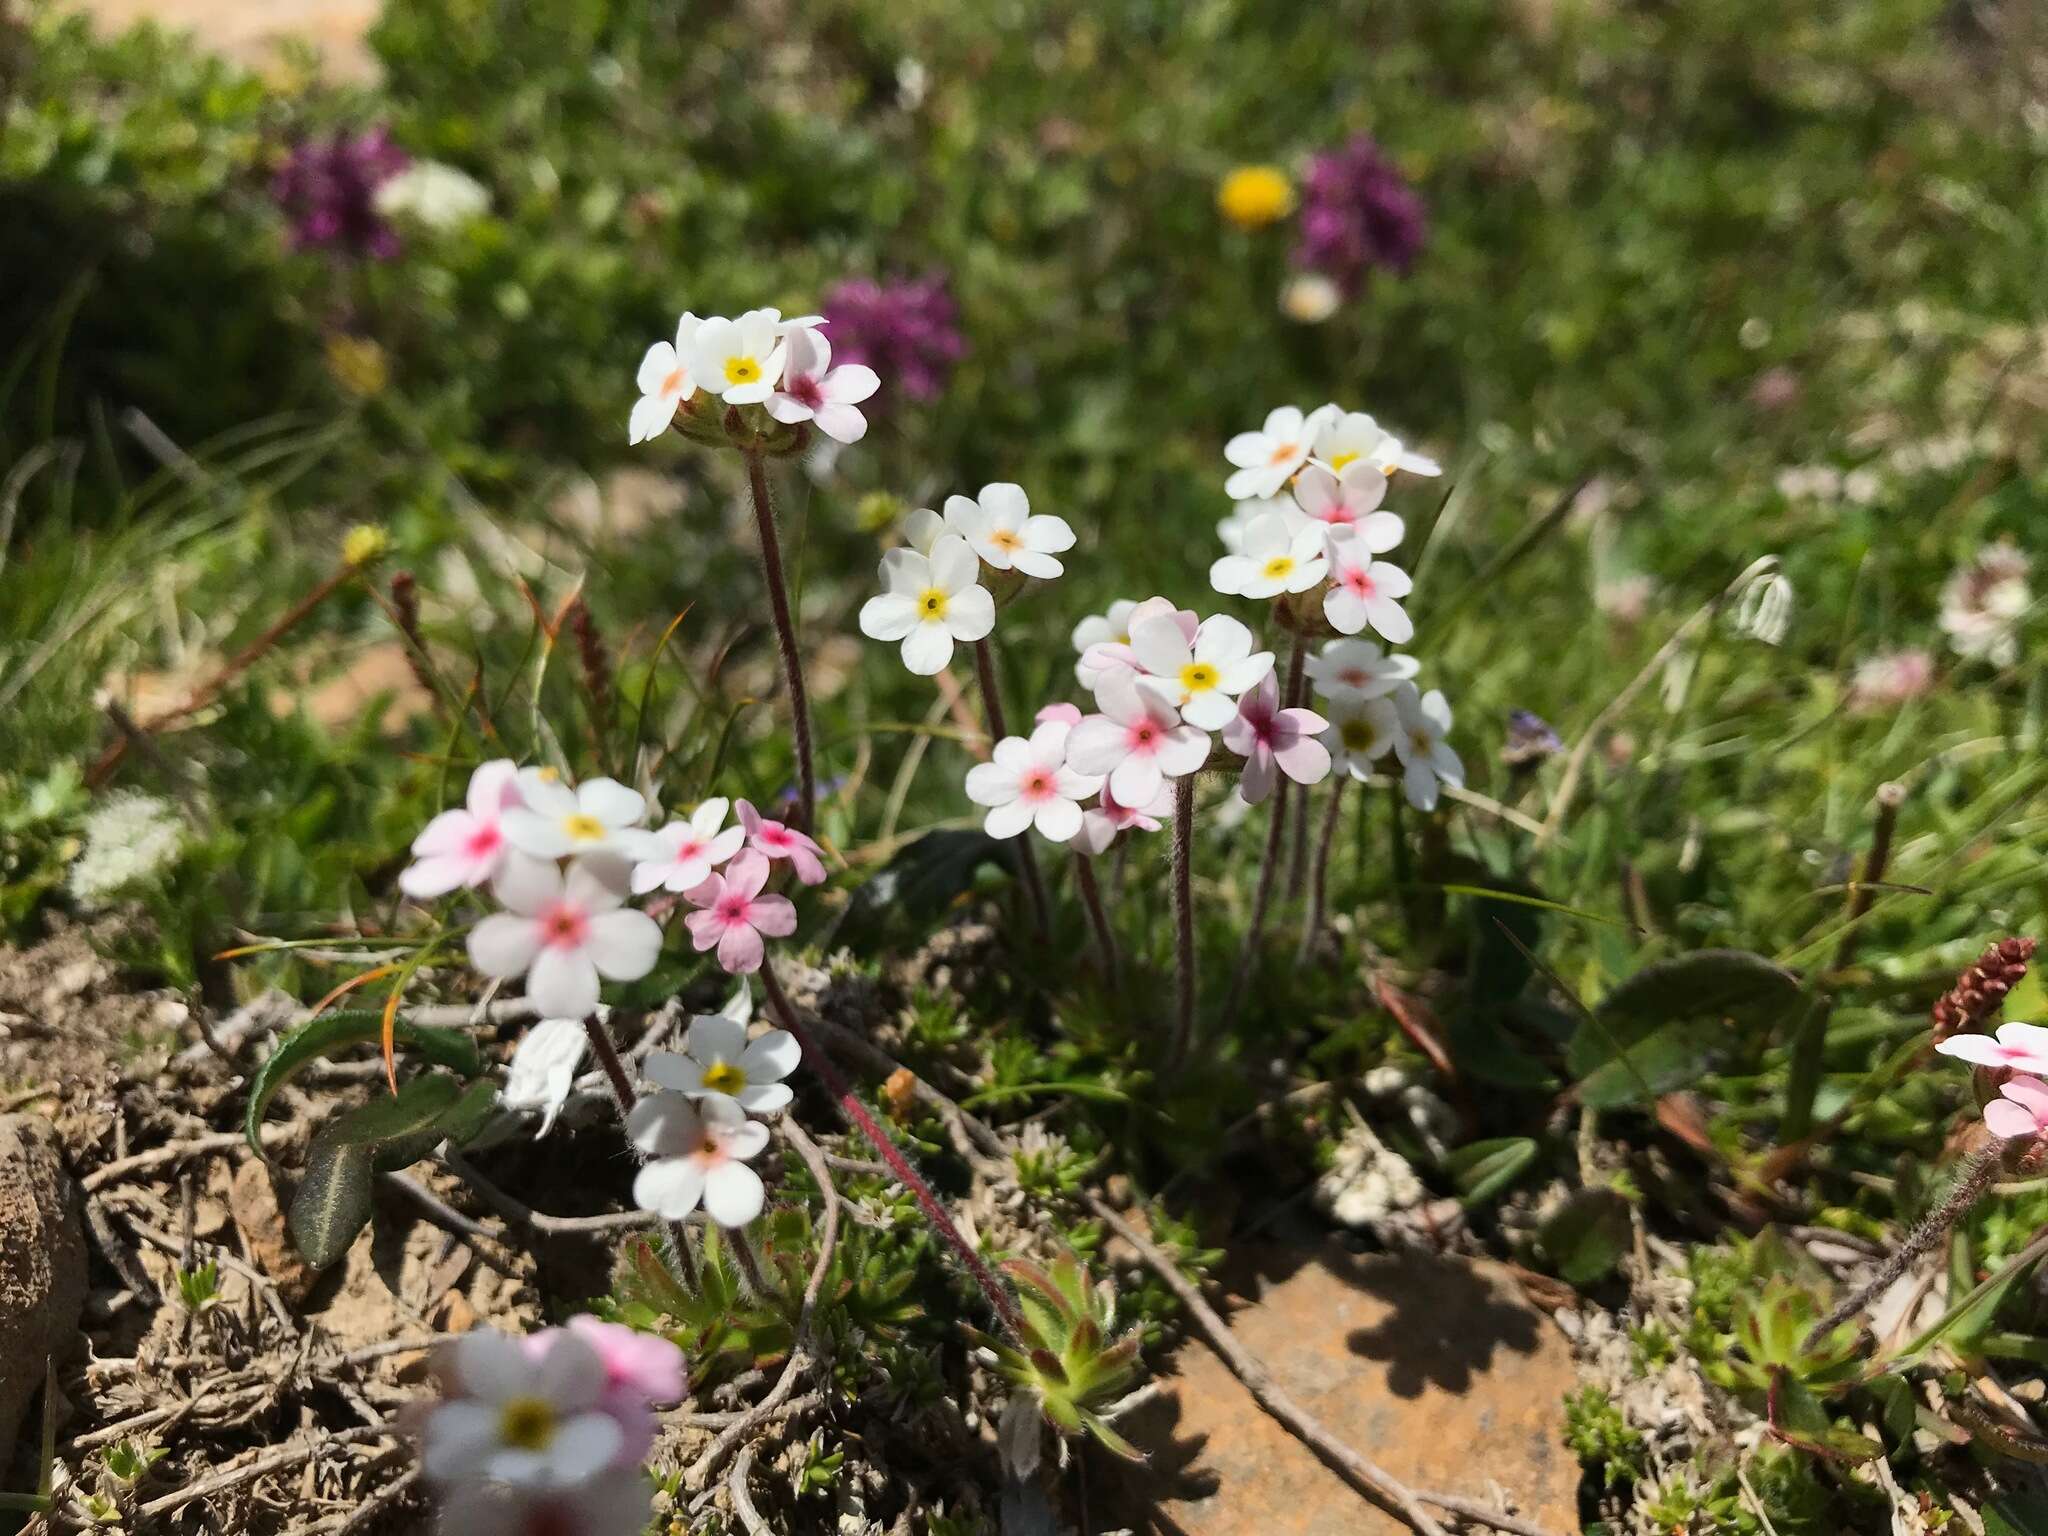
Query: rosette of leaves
{"points": [[1064, 1358]]}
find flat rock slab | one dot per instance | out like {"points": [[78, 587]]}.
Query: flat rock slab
{"points": [[1437, 1369]]}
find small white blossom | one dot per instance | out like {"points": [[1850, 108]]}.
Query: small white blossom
{"points": [[1355, 437], [1361, 731], [1347, 498], [1138, 741], [1002, 530], [1202, 678], [1108, 816], [929, 603], [466, 847], [1427, 760], [813, 390], [527, 1422], [544, 1067], [554, 821], [665, 383], [1310, 298], [1274, 559], [1232, 529], [681, 856], [433, 194], [563, 934], [717, 1059], [1030, 784], [1983, 602], [1106, 656], [741, 360], [1355, 669], [1111, 628], [130, 839], [1763, 610], [1364, 591], [1267, 459], [697, 1151]]}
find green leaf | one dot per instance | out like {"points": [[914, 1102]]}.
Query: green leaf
{"points": [[1586, 1236], [331, 1032], [924, 878], [2017, 1514], [1798, 1419], [1653, 1033], [390, 1132], [333, 1201], [1484, 1168]]}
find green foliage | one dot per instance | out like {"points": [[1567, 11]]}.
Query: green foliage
{"points": [[1600, 1437], [333, 1032], [199, 1287], [1064, 1359]]}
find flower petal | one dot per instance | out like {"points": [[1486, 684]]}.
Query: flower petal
{"points": [[733, 1194]]}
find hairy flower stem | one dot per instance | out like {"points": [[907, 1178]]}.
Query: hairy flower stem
{"points": [[1269, 861], [1319, 887], [999, 1299], [1091, 898], [1935, 1225], [785, 635], [1183, 919], [992, 711], [625, 1098], [749, 1263], [1297, 688]]}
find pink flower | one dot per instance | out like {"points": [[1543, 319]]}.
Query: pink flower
{"points": [[1105, 656], [2022, 1046], [2020, 1110], [1138, 741], [1059, 714], [682, 854], [641, 1369], [1364, 590], [813, 390], [776, 840], [563, 935], [1349, 498], [1031, 784], [1102, 821], [1269, 737], [465, 847], [697, 1152], [736, 915]]}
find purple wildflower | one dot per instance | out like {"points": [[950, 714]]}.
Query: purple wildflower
{"points": [[1530, 739], [1357, 213], [328, 189], [906, 331]]}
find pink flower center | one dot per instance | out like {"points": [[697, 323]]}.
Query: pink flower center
{"points": [[484, 841], [564, 926], [1359, 580], [805, 390], [1355, 677], [691, 848], [1144, 736], [1038, 785], [733, 907], [1339, 515], [773, 837]]}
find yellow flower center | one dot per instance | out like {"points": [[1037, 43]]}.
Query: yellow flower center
{"points": [[547, 775], [725, 1077], [1002, 538], [1278, 566], [526, 1423], [1420, 741], [1356, 735], [931, 604], [583, 828], [741, 370], [1198, 677], [1339, 460]]}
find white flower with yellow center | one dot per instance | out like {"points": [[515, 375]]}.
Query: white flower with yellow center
{"points": [[554, 821], [718, 1059], [665, 383], [929, 602], [1000, 527], [740, 361], [1354, 437], [1202, 678], [1427, 761], [1360, 733], [529, 1422], [1267, 459], [697, 1152], [1274, 559]]}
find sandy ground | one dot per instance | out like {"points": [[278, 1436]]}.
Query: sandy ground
{"points": [[250, 30]]}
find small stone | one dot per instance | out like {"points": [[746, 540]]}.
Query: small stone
{"points": [[259, 1217], [42, 1263], [1435, 1368]]}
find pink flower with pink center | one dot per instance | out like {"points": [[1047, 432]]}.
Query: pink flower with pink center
{"points": [[682, 854], [1364, 591], [735, 916], [1138, 742], [465, 847], [2021, 1109], [1102, 821], [2023, 1047], [1031, 785], [1347, 498], [778, 840], [1271, 739], [813, 390], [562, 935]]}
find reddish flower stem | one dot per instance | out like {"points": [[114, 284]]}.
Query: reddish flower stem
{"points": [[879, 1138], [1319, 887], [1269, 861], [785, 636], [1098, 916], [623, 1096]]}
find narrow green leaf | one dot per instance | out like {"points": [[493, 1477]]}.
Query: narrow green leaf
{"points": [[1483, 1169], [333, 1200], [331, 1032]]}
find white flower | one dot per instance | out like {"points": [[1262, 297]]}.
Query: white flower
{"points": [[681, 856], [1355, 669], [608, 1506], [928, 603], [1137, 742], [1231, 530], [1355, 436], [698, 1151], [1111, 628], [555, 821], [1348, 498], [543, 1069], [1361, 732], [813, 390], [1426, 758], [563, 935], [1102, 821], [1763, 610], [1364, 590], [130, 838], [664, 381], [1267, 459], [924, 528], [1310, 298], [1031, 784], [717, 1060], [1273, 560], [1982, 603], [436, 195], [1115, 655], [1002, 530], [525, 1421], [1202, 679], [740, 360], [466, 846]]}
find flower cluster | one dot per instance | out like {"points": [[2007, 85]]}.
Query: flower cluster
{"points": [[1357, 213], [328, 189], [783, 366], [910, 329], [545, 1435]]}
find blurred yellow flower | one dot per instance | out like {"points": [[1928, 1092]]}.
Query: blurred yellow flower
{"points": [[365, 544], [357, 364], [1253, 196]]}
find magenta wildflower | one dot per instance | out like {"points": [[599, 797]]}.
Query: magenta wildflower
{"points": [[1358, 212], [327, 187], [907, 331]]}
